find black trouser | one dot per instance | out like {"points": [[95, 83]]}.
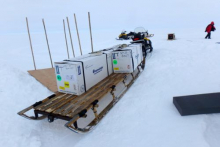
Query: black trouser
{"points": [[208, 35]]}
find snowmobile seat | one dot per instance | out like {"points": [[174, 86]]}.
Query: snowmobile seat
{"points": [[138, 36]]}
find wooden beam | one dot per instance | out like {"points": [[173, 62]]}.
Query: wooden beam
{"points": [[78, 34], [30, 43], [66, 39], [70, 36], [47, 43], [90, 31]]}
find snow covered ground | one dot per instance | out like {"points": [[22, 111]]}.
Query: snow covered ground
{"points": [[145, 116]]}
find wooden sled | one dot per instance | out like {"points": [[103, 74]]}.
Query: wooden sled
{"points": [[72, 108]]}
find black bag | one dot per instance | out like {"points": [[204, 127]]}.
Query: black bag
{"points": [[213, 28]]}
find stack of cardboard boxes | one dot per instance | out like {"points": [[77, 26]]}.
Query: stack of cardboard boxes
{"points": [[127, 59], [77, 75]]}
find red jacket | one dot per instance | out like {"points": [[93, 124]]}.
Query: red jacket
{"points": [[210, 27]]}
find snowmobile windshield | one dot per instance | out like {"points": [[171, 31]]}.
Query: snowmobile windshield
{"points": [[123, 32], [139, 29]]}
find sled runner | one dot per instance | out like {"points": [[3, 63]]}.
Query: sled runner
{"points": [[89, 108]]}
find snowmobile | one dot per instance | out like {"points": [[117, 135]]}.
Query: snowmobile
{"points": [[85, 111], [124, 36]]}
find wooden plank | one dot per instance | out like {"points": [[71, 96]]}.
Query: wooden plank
{"points": [[60, 104], [46, 77], [66, 108], [97, 96], [78, 109], [64, 104], [71, 103], [91, 93], [54, 102], [104, 89], [47, 100]]}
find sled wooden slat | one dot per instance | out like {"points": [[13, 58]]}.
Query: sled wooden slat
{"points": [[98, 96], [103, 91], [66, 108], [47, 101], [50, 101], [56, 102], [78, 106], [93, 93], [68, 105], [82, 107], [60, 104]]}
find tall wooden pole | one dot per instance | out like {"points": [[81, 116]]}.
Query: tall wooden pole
{"points": [[66, 39], [90, 31], [47, 43], [78, 34], [30, 42], [70, 36]]}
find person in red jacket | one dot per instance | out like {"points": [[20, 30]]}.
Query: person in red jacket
{"points": [[208, 29]]}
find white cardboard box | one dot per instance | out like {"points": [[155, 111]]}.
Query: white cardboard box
{"points": [[78, 75], [108, 53], [139, 48], [126, 60]]}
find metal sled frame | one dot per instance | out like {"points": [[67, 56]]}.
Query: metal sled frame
{"points": [[72, 108]]}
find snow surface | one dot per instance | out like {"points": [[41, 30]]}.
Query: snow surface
{"points": [[145, 116]]}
